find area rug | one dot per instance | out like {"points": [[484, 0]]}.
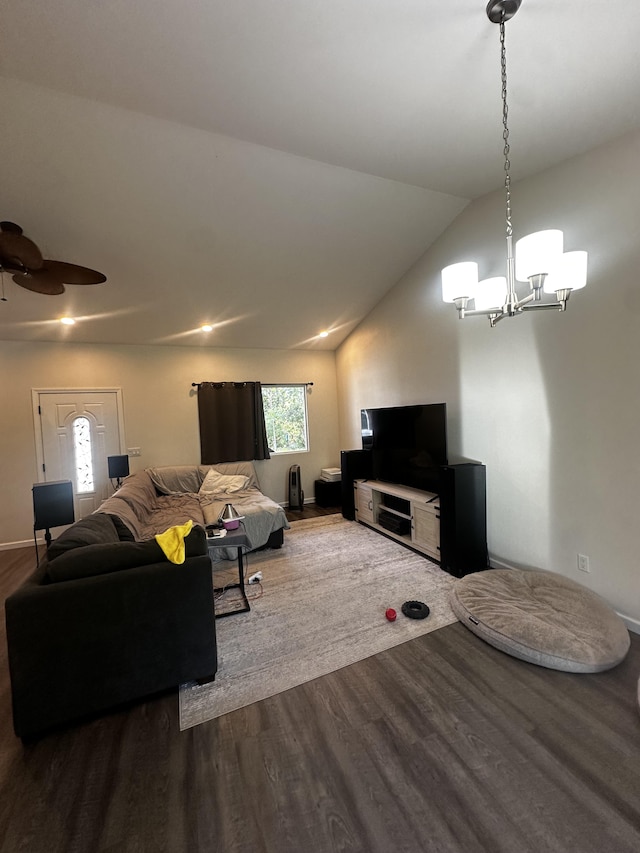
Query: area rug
{"points": [[321, 606]]}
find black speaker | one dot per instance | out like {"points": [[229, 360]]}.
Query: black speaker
{"points": [[463, 518], [52, 504], [118, 467], [355, 465]]}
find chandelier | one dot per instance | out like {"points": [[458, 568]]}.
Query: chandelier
{"points": [[539, 257]]}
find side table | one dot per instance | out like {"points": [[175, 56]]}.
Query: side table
{"points": [[233, 539]]}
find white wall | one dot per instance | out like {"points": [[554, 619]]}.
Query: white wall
{"points": [[548, 401], [160, 409]]}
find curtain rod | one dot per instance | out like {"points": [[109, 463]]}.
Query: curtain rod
{"points": [[287, 384], [279, 384]]}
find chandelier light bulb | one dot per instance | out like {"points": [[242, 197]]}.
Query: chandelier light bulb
{"points": [[491, 293], [538, 253], [459, 281], [568, 273]]}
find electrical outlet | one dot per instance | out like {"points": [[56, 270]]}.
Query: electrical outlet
{"points": [[133, 451], [583, 563]]}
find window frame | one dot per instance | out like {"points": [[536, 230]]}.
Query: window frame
{"points": [[302, 386], [89, 456]]}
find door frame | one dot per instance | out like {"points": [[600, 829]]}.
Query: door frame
{"points": [[37, 422]]}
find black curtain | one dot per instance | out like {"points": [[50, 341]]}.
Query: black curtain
{"points": [[232, 427]]}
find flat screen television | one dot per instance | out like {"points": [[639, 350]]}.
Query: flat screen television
{"points": [[407, 443]]}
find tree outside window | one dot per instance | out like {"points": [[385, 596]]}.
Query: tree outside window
{"points": [[285, 415]]}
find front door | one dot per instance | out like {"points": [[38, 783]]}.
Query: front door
{"points": [[76, 430]]}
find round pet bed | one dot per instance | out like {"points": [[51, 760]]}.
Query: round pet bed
{"points": [[542, 618]]}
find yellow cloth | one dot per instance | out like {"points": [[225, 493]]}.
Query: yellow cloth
{"points": [[172, 541]]}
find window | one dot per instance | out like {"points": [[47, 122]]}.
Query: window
{"points": [[83, 458], [285, 415]]}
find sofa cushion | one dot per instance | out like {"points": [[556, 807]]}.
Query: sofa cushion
{"points": [[124, 534], [139, 493], [100, 559], [115, 506], [176, 479], [95, 529]]}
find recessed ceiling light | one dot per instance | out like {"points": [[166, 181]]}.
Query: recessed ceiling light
{"points": [[324, 334], [206, 328], [67, 321]]}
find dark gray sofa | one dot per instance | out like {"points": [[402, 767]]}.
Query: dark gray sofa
{"points": [[104, 621]]}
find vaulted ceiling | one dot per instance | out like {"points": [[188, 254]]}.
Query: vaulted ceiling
{"points": [[273, 167]]}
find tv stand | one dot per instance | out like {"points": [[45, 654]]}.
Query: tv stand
{"points": [[449, 526], [410, 516]]}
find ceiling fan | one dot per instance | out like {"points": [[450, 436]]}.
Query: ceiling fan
{"points": [[23, 259]]}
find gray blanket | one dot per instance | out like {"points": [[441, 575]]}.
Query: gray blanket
{"points": [[151, 501]]}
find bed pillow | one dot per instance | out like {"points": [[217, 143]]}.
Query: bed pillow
{"points": [[245, 469], [215, 482]]}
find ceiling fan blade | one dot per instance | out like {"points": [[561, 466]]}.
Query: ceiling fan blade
{"points": [[18, 252], [10, 226], [40, 281], [72, 273]]}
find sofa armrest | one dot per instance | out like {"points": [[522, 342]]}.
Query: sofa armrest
{"points": [[81, 646]]}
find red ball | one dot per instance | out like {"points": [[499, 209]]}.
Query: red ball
{"points": [[391, 614]]}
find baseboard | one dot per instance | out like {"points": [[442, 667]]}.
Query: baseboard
{"points": [[10, 546], [285, 504], [631, 623], [500, 564]]}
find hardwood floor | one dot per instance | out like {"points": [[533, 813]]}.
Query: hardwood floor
{"points": [[441, 744], [311, 510]]}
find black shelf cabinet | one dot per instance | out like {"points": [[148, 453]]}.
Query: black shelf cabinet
{"points": [[463, 518], [328, 493]]}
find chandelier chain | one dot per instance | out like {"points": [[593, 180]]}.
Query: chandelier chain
{"points": [[542, 261], [505, 128]]}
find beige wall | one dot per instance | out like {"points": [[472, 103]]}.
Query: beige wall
{"points": [[160, 408], [549, 402]]}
